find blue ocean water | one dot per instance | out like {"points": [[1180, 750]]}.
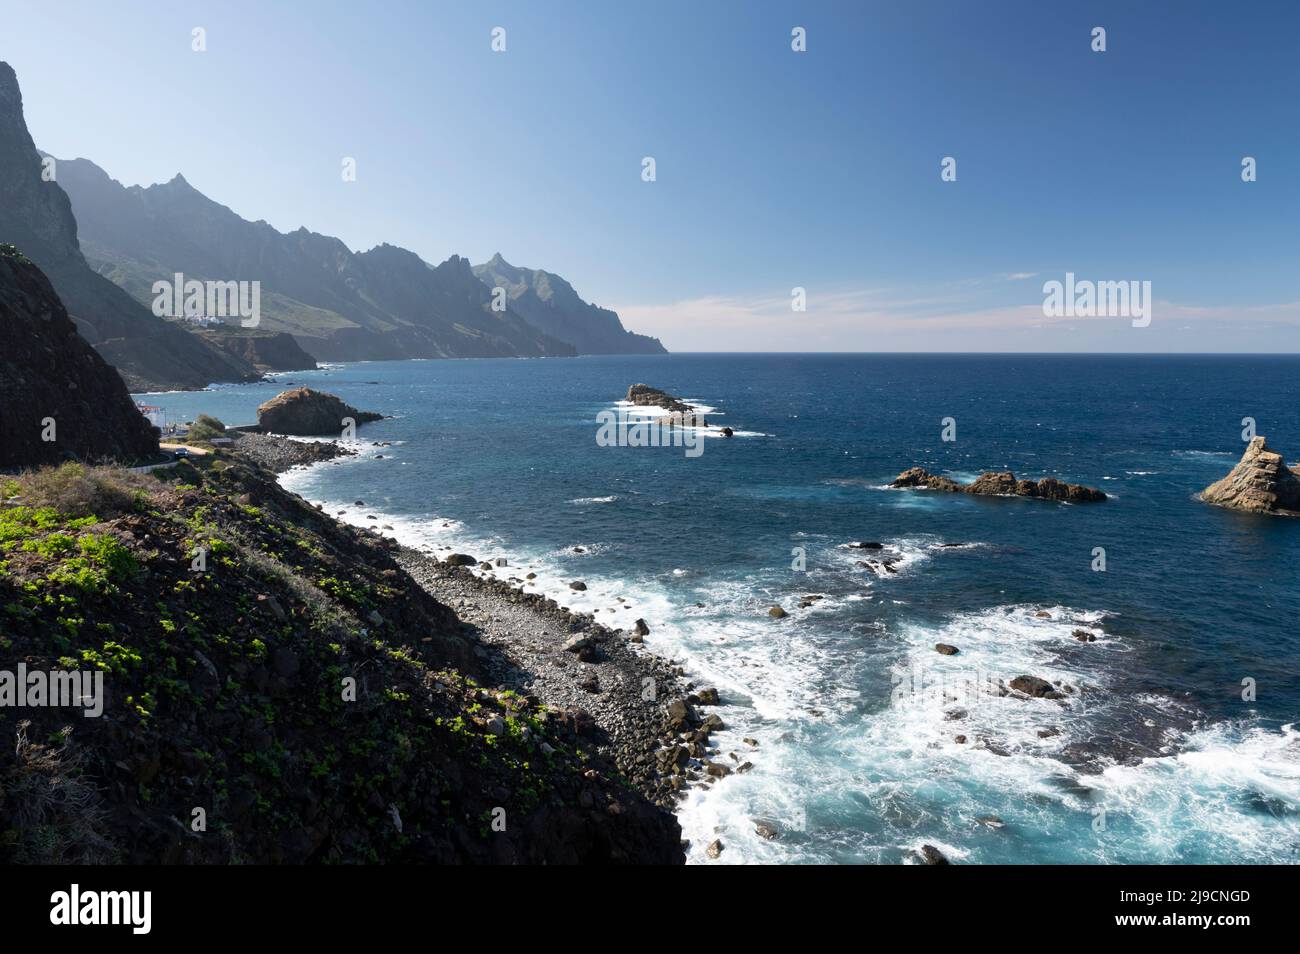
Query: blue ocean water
{"points": [[1154, 756]]}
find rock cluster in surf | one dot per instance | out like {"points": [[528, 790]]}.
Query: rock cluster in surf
{"points": [[1001, 484]]}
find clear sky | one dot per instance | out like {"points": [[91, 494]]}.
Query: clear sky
{"points": [[775, 169]]}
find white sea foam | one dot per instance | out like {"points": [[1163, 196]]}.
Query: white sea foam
{"points": [[847, 769]]}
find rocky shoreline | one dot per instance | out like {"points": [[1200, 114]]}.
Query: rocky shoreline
{"points": [[279, 454], [632, 707]]}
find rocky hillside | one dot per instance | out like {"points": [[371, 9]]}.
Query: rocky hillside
{"points": [[48, 373], [1261, 482], [549, 303], [36, 216], [340, 305], [294, 698]]}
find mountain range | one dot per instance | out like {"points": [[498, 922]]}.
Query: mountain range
{"points": [[549, 303], [385, 303], [103, 245]]}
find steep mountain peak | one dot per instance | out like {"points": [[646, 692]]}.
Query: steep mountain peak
{"points": [[547, 301]]}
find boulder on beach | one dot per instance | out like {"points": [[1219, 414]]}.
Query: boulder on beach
{"points": [[307, 413], [459, 559], [1261, 482], [1000, 484]]}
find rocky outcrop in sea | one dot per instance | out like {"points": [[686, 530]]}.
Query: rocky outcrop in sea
{"points": [[307, 412], [1001, 484], [1260, 483]]}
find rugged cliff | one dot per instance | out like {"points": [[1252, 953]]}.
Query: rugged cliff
{"points": [[52, 383], [36, 216], [265, 351]]}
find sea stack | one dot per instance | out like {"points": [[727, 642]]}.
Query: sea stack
{"points": [[1260, 483], [306, 412]]}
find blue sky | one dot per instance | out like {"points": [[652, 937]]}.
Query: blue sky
{"points": [[775, 169]]}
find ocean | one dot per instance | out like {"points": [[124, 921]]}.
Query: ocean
{"points": [[1174, 740]]}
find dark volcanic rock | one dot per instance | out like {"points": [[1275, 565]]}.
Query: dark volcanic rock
{"points": [[1261, 482], [1000, 484], [47, 370], [278, 454], [1033, 686], [643, 395], [932, 855], [920, 477], [308, 412]]}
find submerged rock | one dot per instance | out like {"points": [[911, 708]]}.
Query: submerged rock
{"points": [[1260, 483], [932, 855]]}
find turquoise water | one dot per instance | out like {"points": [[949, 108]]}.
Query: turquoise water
{"points": [[1155, 757]]}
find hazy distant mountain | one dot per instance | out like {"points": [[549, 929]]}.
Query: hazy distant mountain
{"points": [[338, 304], [35, 215], [550, 304]]}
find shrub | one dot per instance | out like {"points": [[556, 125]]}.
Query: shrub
{"points": [[206, 427]]}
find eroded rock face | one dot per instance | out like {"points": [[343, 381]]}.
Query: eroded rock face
{"points": [[307, 412], [1000, 484], [48, 371], [1260, 483]]}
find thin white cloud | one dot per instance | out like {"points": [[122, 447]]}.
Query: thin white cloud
{"points": [[883, 320]]}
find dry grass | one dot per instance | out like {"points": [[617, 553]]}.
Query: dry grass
{"points": [[78, 490], [51, 812]]}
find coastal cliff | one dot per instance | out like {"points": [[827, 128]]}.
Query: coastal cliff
{"points": [[59, 399]]}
